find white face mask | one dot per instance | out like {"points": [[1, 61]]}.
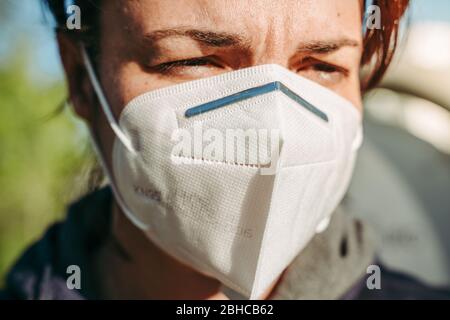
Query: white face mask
{"points": [[241, 220]]}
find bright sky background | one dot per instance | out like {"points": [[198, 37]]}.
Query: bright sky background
{"points": [[27, 29]]}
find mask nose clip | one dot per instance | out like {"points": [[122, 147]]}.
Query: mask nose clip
{"points": [[126, 142], [254, 92]]}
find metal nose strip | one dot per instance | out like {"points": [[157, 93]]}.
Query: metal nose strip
{"points": [[254, 92]]}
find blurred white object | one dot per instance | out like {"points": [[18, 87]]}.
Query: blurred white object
{"points": [[402, 180], [422, 65], [421, 118], [429, 46]]}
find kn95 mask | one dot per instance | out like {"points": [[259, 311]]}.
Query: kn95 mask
{"points": [[233, 175]]}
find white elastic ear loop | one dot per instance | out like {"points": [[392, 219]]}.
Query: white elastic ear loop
{"points": [[104, 103], [113, 186], [359, 139]]}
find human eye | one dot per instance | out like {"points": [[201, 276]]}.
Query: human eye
{"points": [[324, 73], [193, 67]]}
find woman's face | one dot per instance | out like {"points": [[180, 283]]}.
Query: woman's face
{"points": [[150, 44]]}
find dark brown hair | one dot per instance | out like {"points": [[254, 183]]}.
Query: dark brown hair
{"points": [[379, 44]]}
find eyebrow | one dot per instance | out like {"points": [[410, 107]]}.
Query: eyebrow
{"points": [[208, 38], [326, 46], [225, 39]]}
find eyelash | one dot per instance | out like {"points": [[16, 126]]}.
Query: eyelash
{"points": [[167, 67], [323, 67]]}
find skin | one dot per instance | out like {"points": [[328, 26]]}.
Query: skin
{"points": [[141, 46]]}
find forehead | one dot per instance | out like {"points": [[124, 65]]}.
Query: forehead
{"points": [[310, 19]]}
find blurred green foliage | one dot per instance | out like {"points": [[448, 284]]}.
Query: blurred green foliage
{"points": [[41, 155]]}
